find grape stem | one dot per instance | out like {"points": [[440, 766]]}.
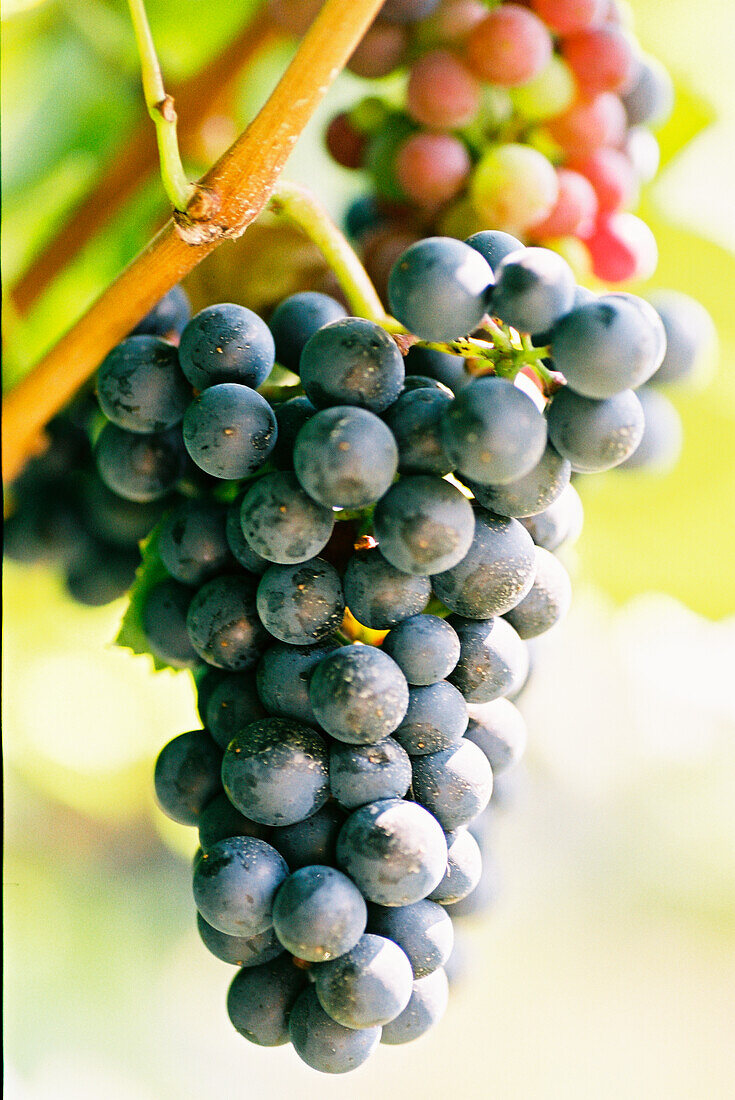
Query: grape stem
{"points": [[161, 109]]}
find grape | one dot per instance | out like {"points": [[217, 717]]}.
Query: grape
{"points": [[423, 525], [243, 951], [530, 494], [414, 420], [312, 841], [454, 19], [301, 604], [233, 704], [164, 622], [276, 771], [359, 774], [436, 719], [294, 16], [494, 245], [345, 144], [426, 1007], [660, 447], [534, 288], [612, 175], [425, 648], [464, 868], [368, 985], [380, 159], [642, 149], [493, 660], [454, 785], [290, 419], [140, 386], [187, 776], [595, 435], [281, 522], [601, 59], [567, 16], [438, 288], [423, 930], [167, 317], [260, 999], [394, 850], [381, 50], [363, 214], [513, 186], [549, 93], [325, 1045], [229, 430], [378, 594], [560, 522], [283, 678], [116, 520], [483, 897], [509, 47], [574, 210], [690, 338], [589, 124], [241, 550], [219, 820], [499, 729], [622, 247], [345, 457], [319, 913], [442, 94], [440, 365], [352, 362], [193, 543], [606, 346], [206, 679], [226, 343], [548, 600], [223, 624], [105, 575], [235, 884], [432, 168], [295, 320], [407, 11], [141, 468], [358, 694], [650, 98]]}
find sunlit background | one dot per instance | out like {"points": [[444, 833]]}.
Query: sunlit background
{"points": [[606, 968]]}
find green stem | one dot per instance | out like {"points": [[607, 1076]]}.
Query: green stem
{"points": [[299, 207], [161, 109]]}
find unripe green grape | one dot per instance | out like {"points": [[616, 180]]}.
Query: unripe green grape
{"points": [[548, 94], [513, 186]]}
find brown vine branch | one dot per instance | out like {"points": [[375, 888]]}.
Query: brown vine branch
{"points": [[239, 186], [196, 99]]}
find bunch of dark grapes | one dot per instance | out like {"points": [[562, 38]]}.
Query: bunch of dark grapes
{"points": [[354, 591], [535, 118]]}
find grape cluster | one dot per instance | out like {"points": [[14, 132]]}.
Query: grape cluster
{"points": [[354, 592], [532, 117]]}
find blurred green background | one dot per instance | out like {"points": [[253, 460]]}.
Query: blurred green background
{"points": [[607, 970]]}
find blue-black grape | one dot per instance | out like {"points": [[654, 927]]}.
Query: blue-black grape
{"points": [[424, 525], [319, 913], [595, 435], [454, 785], [493, 432], [534, 287], [117, 521], [561, 522], [233, 704], [291, 416], [495, 573], [493, 660], [165, 609], [484, 896], [295, 320], [235, 884], [494, 245], [427, 1006], [140, 386], [193, 541], [423, 930], [531, 493], [378, 594], [105, 574], [168, 316], [358, 694], [438, 288], [311, 841], [324, 1044], [499, 729], [425, 648], [359, 774], [276, 771], [206, 679], [436, 718], [415, 420], [352, 362], [283, 678], [220, 820], [260, 999], [440, 365], [301, 604], [229, 430], [661, 443], [141, 468], [367, 986], [187, 776], [243, 951], [345, 457], [546, 602], [237, 542], [281, 522], [690, 338], [464, 868], [394, 850], [223, 623], [226, 343]]}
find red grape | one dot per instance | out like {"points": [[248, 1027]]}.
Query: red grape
{"points": [[613, 177], [346, 145], [442, 93], [380, 52], [589, 124], [567, 16], [574, 210], [432, 168], [454, 19], [602, 59], [622, 248], [509, 47]]}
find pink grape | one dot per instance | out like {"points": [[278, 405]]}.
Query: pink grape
{"points": [[380, 52], [575, 209], [454, 19], [602, 59], [589, 124], [442, 94], [567, 16], [613, 177], [509, 47], [432, 168], [622, 247], [346, 145], [513, 186]]}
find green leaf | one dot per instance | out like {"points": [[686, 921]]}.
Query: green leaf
{"points": [[150, 572]]}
